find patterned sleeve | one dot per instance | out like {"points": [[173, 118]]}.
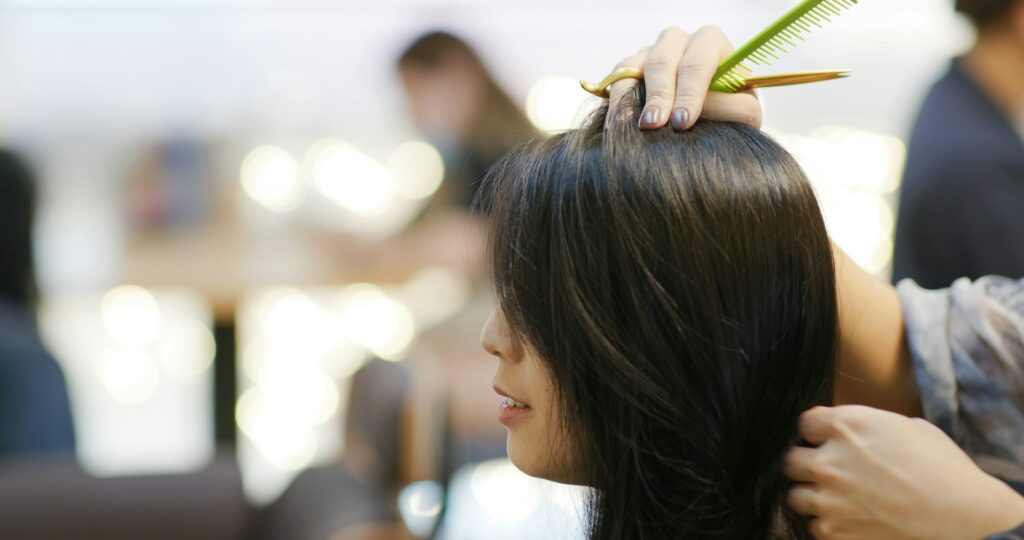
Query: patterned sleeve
{"points": [[1015, 534], [967, 345]]}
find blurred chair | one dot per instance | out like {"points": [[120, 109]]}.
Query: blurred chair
{"points": [[329, 503], [51, 498], [354, 499]]}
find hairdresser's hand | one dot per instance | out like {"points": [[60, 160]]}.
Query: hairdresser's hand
{"points": [[876, 474], [678, 70]]}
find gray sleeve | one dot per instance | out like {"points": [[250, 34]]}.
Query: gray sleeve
{"points": [[967, 345], [1015, 534]]}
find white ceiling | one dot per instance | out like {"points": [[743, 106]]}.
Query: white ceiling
{"points": [[275, 68]]}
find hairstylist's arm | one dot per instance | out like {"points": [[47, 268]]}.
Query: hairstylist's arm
{"points": [[873, 366], [876, 474], [678, 70]]}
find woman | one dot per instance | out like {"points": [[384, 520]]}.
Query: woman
{"points": [[667, 309]]}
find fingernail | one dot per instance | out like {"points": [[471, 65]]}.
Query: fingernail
{"points": [[649, 118], [680, 117]]}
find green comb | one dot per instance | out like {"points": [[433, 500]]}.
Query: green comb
{"points": [[772, 41]]}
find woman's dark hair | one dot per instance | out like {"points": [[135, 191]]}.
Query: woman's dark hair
{"points": [[680, 288], [17, 202], [984, 12]]}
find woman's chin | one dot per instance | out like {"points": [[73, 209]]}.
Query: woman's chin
{"points": [[534, 461], [528, 459]]}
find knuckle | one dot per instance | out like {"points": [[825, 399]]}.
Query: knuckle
{"points": [[657, 63], [692, 69], [822, 529], [811, 413], [686, 97], [671, 32], [750, 119], [843, 430], [823, 473], [710, 30], [656, 95], [812, 505], [846, 422]]}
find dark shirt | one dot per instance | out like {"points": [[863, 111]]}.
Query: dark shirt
{"points": [[35, 412], [962, 202]]}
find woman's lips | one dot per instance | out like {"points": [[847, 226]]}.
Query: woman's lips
{"points": [[511, 411]]}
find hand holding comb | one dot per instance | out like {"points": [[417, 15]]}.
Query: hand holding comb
{"points": [[732, 75]]}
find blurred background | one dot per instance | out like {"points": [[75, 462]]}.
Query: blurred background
{"points": [[257, 268]]}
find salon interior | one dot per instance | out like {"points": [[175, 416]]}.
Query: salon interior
{"points": [[259, 268]]}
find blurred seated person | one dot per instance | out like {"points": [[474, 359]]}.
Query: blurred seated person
{"points": [[456, 104], [460, 109], [963, 188], [35, 413]]}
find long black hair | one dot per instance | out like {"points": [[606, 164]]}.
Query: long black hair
{"points": [[17, 211], [680, 288]]}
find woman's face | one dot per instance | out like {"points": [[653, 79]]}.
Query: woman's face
{"points": [[444, 101], [528, 406]]}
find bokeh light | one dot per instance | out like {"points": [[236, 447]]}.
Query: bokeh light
{"points": [[284, 443], [186, 349], [131, 315], [293, 321], [417, 168], [369, 317], [420, 505], [855, 174], [138, 363], [353, 180], [435, 294], [504, 491], [556, 103], [131, 376], [293, 371], [270, 176]]}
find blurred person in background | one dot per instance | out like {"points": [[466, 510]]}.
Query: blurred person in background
{"points": [[458, 106], [455, 103], [35, 413], [963, 189]]}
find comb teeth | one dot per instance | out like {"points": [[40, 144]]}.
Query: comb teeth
{"points": [[776, 40]]}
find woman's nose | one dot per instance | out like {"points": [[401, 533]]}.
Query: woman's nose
{"points": [[490, 337]]}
